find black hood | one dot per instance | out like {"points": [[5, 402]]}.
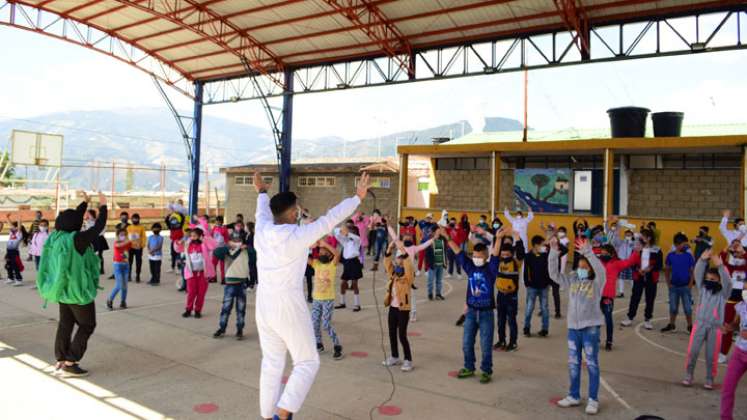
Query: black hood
{"points": [[68, 221]]}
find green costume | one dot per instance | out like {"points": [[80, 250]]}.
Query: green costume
{"points": [[66, 276]]}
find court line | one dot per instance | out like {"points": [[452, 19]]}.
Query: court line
{"points": [[616, 395]]}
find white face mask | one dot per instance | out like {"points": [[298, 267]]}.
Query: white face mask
{"points": [[561, 235], [479, 262], [43, 228], [122, 237], [543, 248], [742, 228]]}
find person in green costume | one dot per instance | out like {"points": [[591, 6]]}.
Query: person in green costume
{"points": [[69, 276]]}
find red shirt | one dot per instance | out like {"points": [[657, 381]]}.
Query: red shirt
{"points": [[120, 252], [176, 234], [408, 230]]}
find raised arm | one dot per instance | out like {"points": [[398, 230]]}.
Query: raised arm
{"points": [[507, 215], [553, 264], [724, 228], [530, 216], [263, 215], [335, 253], [83, 240], [701, 266]]}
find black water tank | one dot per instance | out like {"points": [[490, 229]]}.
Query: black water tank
{"points": [[629, 121], [667, 124]]}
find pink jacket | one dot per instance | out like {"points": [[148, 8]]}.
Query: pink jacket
{"points": [[208, 245], [362, 224], [37, 243]]}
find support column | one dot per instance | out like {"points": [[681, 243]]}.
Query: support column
{"points": [[623, 186], [743, 189], [194, 185], [609, 184], [286, 136], [402, 202], [495, 180]]}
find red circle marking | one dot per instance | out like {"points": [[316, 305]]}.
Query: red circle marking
{"points": [[285, 379], [390, 410], [414, 334], [454, 373], [206, 408], [554, 400], [359, 354]]}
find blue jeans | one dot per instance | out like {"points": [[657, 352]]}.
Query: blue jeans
{"points": [[121, 274], [233, 293], [381, 245], [508, 307], [607, 305], [481, 319], [321, 317], [532, 295], [435, 274], [451, 257], [680, 293], [588, 340]]}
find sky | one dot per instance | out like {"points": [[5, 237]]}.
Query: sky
{"points": [[42, 75]]}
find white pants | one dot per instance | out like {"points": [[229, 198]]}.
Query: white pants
{"points": [[284, 325]]}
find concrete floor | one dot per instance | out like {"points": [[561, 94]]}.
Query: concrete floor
{"points": [[147, 362]]}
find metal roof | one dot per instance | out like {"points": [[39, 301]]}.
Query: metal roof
{"points": [[215, 39]]}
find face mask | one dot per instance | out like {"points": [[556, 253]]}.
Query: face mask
{"points": [[408, 243], [238, 228], [123, 219], [518, 216], [713, 286], [324, 259], [122, 237], [452, 224], [702, 233], [399, 270], [583, 273], [196, 241], [43, 228], [135, 221], [482, 220], [496, 225], [742, 228], [479, 262], [561, 235], [629, 238], [605, 258], [156, 232], [542, 249], [507, 259]]}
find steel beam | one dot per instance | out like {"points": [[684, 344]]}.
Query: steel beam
{"points": [[194, 164], [286, 136]]}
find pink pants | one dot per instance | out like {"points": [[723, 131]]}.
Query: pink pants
{"points": [[222, 265], [196, 290], [734, 371]]}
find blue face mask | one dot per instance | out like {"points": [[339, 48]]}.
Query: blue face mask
{"points": [[399, 270], [583, 273]]}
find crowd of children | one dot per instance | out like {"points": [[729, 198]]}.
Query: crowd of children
{"points": [[592, 267]]}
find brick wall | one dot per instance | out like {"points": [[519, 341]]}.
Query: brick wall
{"points": [[462, 189], [242, 198], [681, 193], [507, 197]]}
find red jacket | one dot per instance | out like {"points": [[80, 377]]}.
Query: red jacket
{"points": [[656, 260], [731, 268], [457, 234], [408, 230], [613, 268]]}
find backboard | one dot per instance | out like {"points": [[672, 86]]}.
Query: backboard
{"points": [[33, 148]]}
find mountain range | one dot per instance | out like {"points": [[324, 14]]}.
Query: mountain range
{"points": [[148, 137]]}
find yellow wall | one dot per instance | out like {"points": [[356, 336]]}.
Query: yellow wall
{"points": [[668, 227]]}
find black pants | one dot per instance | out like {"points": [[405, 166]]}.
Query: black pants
{"points": [[507, 305], [398, 321], [309, 281], [556, 297], [252, 275], [137, 256], [174, 256], [155, 271], [85, 317], [451, 258], [639, 287], [11, 263], [101, 259], [371, 241]]}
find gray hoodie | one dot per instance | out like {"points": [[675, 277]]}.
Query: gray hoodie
{"points": [[710, 310], [583, 295]]}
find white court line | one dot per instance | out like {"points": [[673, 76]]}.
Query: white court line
{"points": [[642, 337], [616, 395]]}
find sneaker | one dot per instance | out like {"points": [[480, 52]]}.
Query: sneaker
{"points": [[620, 295], [406, 366], [626, 322], [440, 297], [170, 270], [337, 355], [448, 276], [608, 346], [187, 314], [219, 333], [137, 279], [511, 347], [543, 333], [239, 335], [708, 384], [648, 325], [123, 305], [417, 273], [356, 308], [465, 373], [569, 402], [198, 315], [669, 327], [500, 345], [460, 321], [18, 283], [9, 281], [722, 359], [485, 378], [413, 318], [526, 332], [391, 361], [340, 306], [430, 296], [320, 347], [111, 277], [558, 316], [688, 381], [592, 407], [73, 371], [414, 287], [110, 305]]}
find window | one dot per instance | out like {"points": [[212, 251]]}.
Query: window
{"points": [[248, 180], [316, 181], [377, 182]]}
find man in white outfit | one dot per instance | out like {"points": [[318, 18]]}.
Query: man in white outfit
{"points": [[519, 224], [283, 319]]}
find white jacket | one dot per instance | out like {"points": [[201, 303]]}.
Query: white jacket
{"points": [[282, 250]]}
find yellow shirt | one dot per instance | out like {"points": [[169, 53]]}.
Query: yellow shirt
{"points": [[324, 280], [136, 235]]}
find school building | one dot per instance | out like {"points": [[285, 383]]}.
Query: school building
{"points": [[681, 183], [319, 185]]}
